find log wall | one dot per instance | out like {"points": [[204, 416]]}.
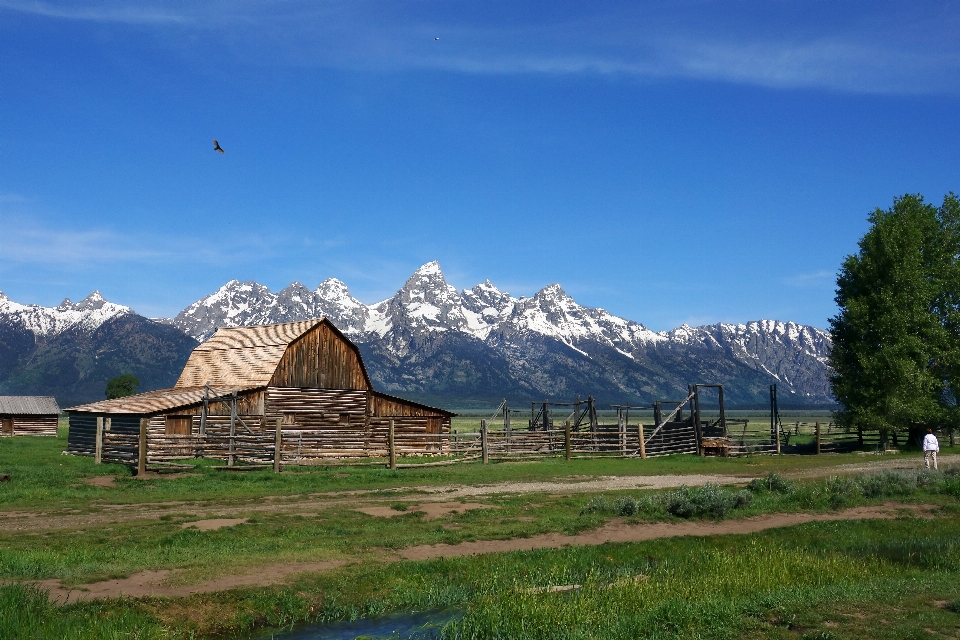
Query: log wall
{"points": [[31, 425]]}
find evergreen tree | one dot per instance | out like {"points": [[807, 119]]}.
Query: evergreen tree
{"points": [[122, 386], [897, 335]]}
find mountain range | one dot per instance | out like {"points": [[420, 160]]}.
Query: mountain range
{"points": [[428, 341]]}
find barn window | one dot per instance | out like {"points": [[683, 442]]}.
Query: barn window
{"points": [[344, 418], [289, 418], [179, 425]]}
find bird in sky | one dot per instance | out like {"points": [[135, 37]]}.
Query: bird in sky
{"points": [[436, 38], [216, 146]]}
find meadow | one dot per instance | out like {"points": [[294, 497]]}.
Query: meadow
{"points": [[843, 578]]}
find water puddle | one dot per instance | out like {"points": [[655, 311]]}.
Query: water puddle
{"points": [[405, 625]]}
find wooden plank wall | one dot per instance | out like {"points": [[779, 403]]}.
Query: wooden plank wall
{"points": [[35, 425], [320, 359], [316, 408]]}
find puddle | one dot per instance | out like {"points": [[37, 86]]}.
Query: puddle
{"points": [[406, 625]]}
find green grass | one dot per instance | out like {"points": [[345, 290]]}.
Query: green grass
{"points": [[821, 566], [774, 584]]}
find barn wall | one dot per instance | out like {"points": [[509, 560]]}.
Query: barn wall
{"points": [[395, 407], [34, 425], [320, 359], [82, 437], [316, 408]]}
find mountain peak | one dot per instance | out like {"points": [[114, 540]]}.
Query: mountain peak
{"points": [[92, 302], [430, 268]]}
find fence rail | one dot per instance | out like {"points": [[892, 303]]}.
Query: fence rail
{"points": [[382, 444]]}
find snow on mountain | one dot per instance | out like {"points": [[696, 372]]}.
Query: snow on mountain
{"points": [[88, 315], [428, 318]]}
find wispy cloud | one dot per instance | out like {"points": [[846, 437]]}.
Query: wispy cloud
{"points": [[126, 12], [815, 279], [861, 48], [28, 241]]}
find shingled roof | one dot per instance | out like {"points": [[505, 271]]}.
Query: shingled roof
{"points": [[29, 406], [154, 401], [241, 356]]}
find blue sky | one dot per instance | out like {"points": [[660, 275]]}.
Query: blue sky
{"points": [[671, 162]]}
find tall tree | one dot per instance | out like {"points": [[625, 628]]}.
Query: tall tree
{"points": [[122, 386], [895, 339]]}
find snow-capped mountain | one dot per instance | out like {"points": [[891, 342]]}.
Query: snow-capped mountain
{"points": [[88, 314], [72, 350], [434, 341]]}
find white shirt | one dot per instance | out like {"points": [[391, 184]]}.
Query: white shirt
{"points": [[930, 443]]}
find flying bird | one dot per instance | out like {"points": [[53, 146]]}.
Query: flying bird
{"points": [[216, 146], [436, 38]]}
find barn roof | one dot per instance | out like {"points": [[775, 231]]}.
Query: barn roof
{"points": [[28, 405], [155, 401], [248, 356]]}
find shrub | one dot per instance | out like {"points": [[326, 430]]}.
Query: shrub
{"points": [[774, 483], [953, 606]]}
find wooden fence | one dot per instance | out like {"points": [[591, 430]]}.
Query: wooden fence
{"points": [[382, 444]]}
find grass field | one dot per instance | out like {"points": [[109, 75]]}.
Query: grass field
{"points": [[835, 579]]}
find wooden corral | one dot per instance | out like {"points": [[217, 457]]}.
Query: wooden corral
{"points": [[28, 416], [305, 376]]}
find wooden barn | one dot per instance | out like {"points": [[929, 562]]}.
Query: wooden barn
{"points": [[307, 375], [28, 415]]}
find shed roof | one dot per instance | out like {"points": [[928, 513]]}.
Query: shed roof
{"points": [[242, 356], [29, 405], [154, 401]]}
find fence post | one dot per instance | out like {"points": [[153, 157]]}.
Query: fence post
{"points": [[566, 438], [818, 438], [392, 444], [142, 449], [276, 446], [98, 447], [484, 443], [643, 444], [778, 439]]}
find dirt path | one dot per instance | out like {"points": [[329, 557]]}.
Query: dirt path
{"points": [[151, 583], [620, 532], [105, 514]]}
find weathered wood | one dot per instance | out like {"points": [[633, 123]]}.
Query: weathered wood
{"points": [[277, 448], [566, 439], [643, 444], [142, 447], [98, 447], [393, 446], [484, 443]]}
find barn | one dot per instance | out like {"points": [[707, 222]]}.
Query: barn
{"points": [[306, 376], [28, 415]]}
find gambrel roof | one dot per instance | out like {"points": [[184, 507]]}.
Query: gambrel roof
{"points": [[242, 356]]}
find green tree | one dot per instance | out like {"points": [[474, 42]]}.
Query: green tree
{"points": [[896, 339], [122, 386]]}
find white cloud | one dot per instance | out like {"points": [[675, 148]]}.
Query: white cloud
{"points": [[127, 12], [815, 279], [875, 49]]}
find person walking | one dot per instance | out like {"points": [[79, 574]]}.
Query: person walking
{"points": [[930, 448]]}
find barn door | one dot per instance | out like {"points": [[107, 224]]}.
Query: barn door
{"points": [[179, 425], [6, 426]]}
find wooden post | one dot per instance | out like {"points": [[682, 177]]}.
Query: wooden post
{"points": [[566, 438], [484, 443], [778, 439], [643, 444], [818, 438], [98, 447], [622, 429], [392, 443], [277, 442], [506, 425], [233, 429], [142, 449]]}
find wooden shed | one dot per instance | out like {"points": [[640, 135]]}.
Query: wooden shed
{"points": [[305, 374], [28, 415]]}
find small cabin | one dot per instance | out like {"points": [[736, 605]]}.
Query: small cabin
{"points": [[307, 375], [28, 415]]}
